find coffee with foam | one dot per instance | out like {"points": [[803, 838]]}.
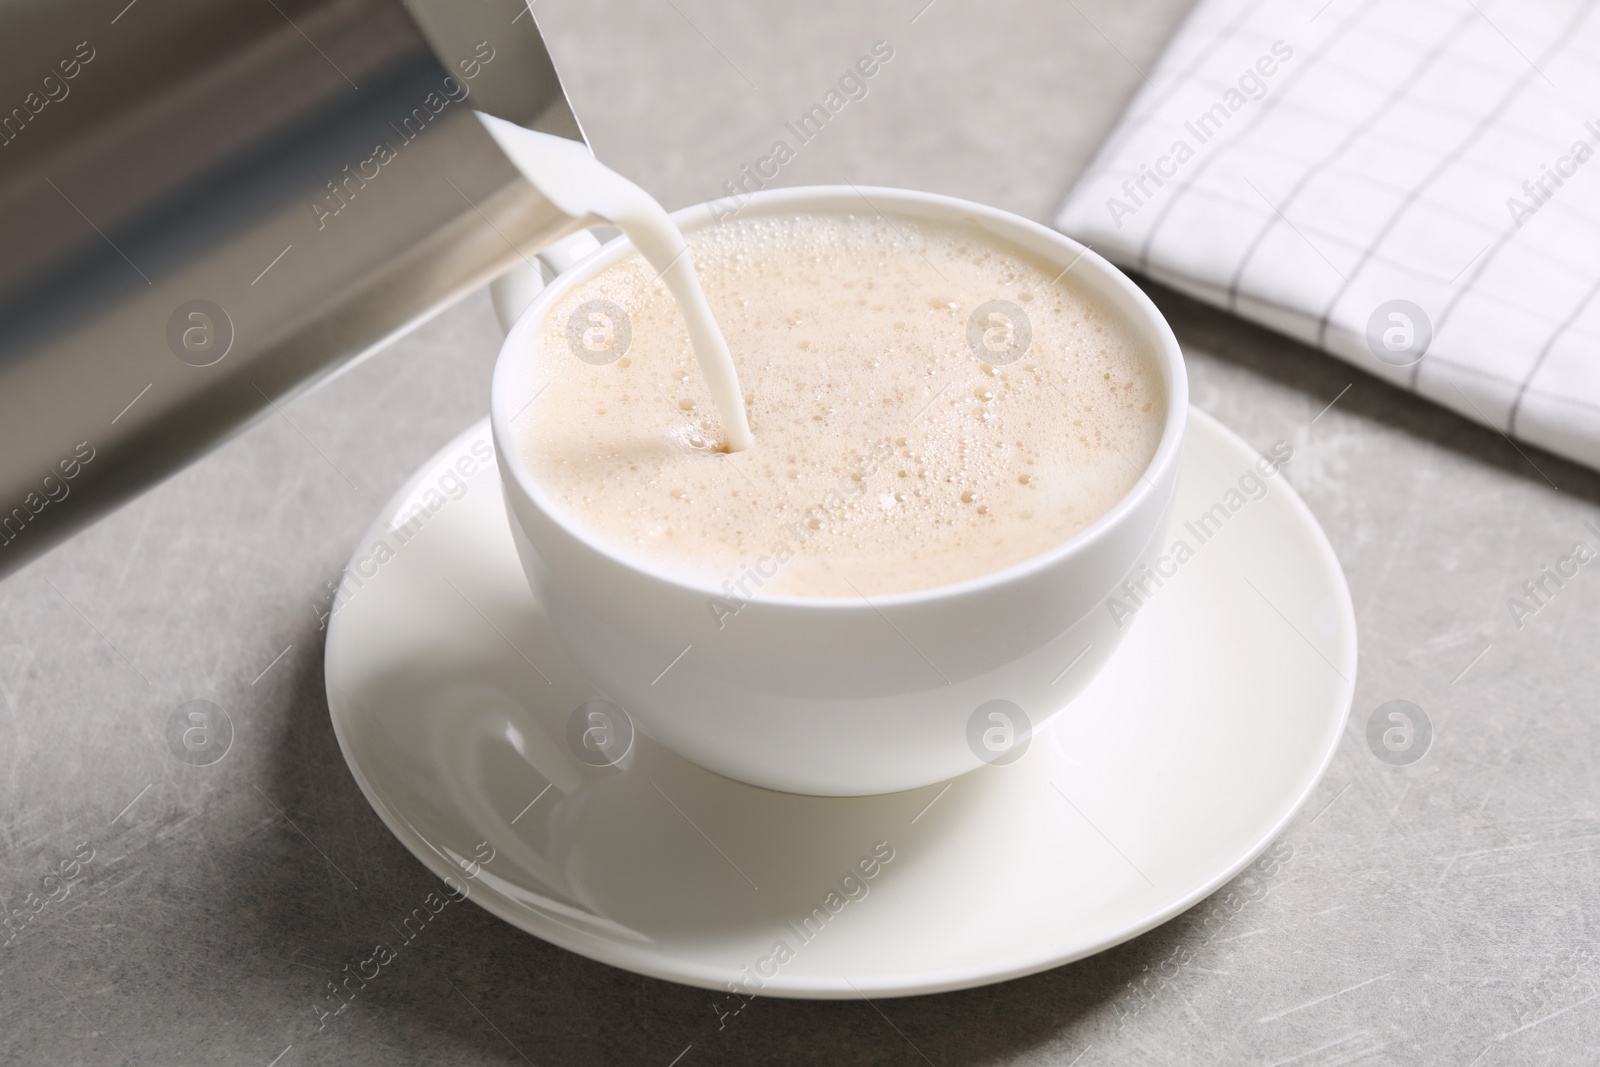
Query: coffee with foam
{"points": [[929, 404]]}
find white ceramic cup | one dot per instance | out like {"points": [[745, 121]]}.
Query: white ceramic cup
{"points": [[844, 696]]}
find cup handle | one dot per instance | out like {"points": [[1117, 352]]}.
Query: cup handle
{"points": [[514, 290]]}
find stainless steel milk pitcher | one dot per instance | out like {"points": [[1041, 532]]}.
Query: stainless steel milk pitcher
{"points": [[208, 205]]}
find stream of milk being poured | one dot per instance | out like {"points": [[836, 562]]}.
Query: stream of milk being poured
{"points": [[567, 173]]}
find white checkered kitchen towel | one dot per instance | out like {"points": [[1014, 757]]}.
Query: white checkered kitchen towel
{"points": [[1413, 185]]}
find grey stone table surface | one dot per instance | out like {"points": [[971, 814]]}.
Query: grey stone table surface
{"points": [[1439, 912]]}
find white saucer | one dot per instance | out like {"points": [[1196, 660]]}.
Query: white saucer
{"points": [[1186, 757]]}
